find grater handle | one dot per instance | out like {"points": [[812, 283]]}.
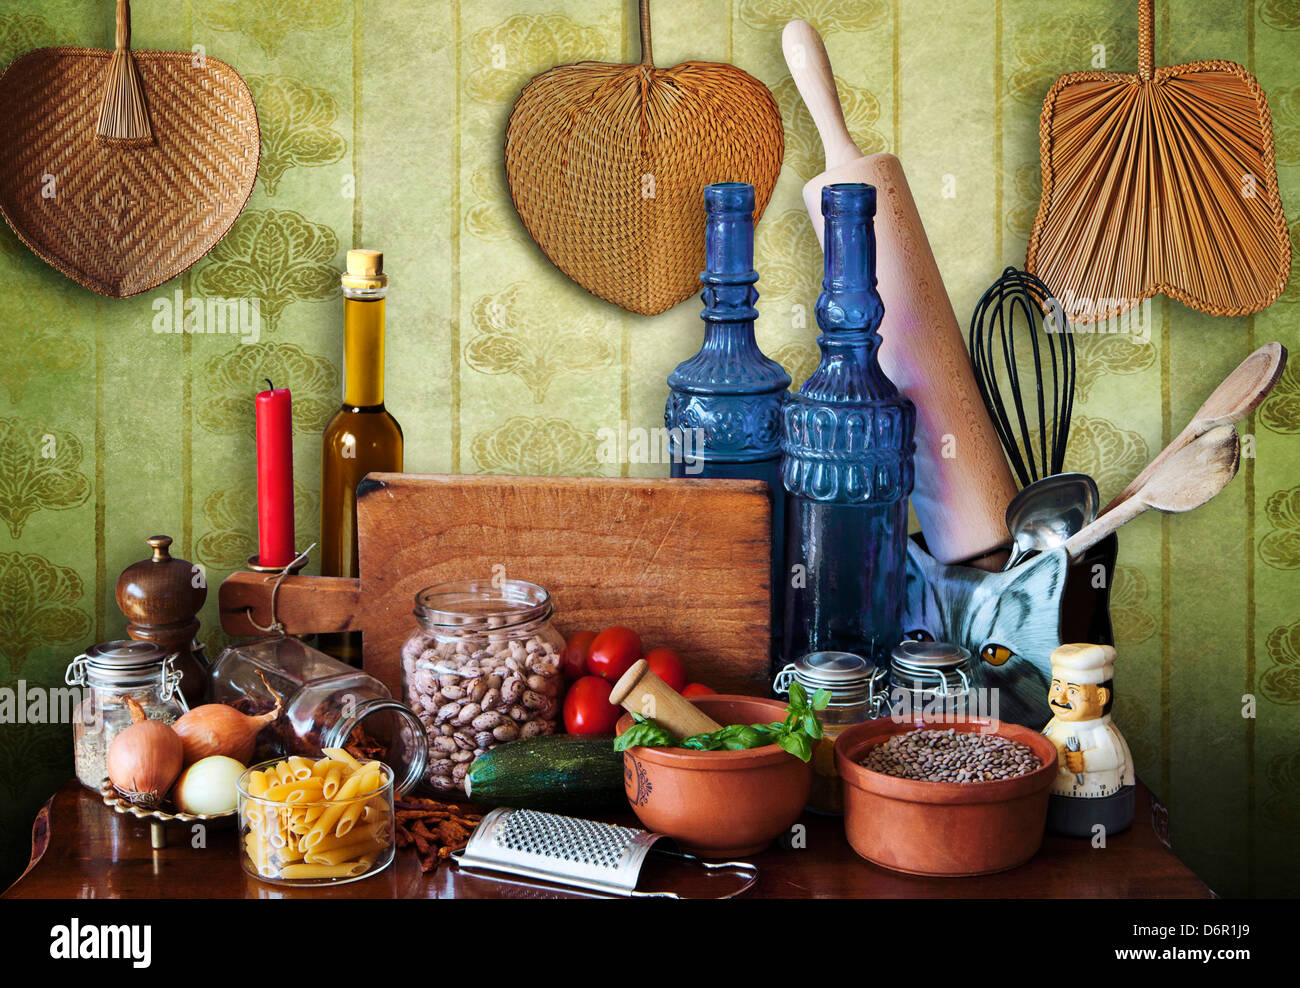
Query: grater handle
{"points": [[745, 869]]}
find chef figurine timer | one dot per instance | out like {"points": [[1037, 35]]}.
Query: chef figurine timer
{"points": [[1094, 784]]}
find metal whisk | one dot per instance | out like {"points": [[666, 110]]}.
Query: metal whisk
{"points": [[1011, 322]]}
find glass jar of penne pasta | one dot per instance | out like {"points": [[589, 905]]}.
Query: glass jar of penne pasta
{"points": [[482, 668], [319, 821], [324, 704]]}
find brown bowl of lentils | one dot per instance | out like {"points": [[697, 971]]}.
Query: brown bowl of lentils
{"points": [[944, 799]]}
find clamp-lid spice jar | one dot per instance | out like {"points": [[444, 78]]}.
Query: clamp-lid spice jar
{"points": [[857, 690], [482, 668], [109, 674], [930, 678], [325, 704]]}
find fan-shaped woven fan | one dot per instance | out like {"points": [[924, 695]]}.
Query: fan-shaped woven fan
{"points": [[1163, 181], [122, 168], [607, 166]]}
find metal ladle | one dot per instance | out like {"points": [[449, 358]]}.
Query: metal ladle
{"points": [[1048, 512]]}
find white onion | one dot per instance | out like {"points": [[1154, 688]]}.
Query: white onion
{"points": [[210, 785]]}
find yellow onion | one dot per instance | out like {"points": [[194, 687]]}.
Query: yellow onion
{"points": [[144, 759], [218, 729]]}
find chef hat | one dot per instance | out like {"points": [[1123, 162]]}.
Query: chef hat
{"points": [[1085, 664]]}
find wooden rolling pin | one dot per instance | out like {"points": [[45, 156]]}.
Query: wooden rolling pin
{"points": [[963, 483], [640, 691]]}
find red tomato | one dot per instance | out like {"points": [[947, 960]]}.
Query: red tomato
{"points": [[613, 652], [698, 689], [574, 659], [667, 665], [587, 709]]}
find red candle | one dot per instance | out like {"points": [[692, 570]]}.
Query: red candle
{"points": [[274, 477]]}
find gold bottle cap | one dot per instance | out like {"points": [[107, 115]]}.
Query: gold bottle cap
{"points": [[365, 270]]}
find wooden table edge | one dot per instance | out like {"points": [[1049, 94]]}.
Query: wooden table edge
{"points": [[1156, 817]]}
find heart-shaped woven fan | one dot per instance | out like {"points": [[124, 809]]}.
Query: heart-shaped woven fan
{"points": [[1159, 182], [607, 166], [121, 169]]}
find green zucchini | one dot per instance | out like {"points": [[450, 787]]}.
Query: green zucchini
{"points": [[562, 773]]}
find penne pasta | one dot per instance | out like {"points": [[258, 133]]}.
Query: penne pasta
{"points": [[300, 767], [333, 777], [317, 821], [339, 755]]}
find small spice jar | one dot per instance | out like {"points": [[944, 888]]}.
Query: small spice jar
{"points": [[857, 694], [325, 704], [108, 674], [933, 680], [482, 668]]}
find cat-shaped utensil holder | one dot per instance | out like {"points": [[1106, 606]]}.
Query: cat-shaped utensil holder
{"points": [[1010, 622]]}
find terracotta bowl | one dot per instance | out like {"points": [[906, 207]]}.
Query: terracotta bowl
{"points": [[942, 828], [718, 804]]}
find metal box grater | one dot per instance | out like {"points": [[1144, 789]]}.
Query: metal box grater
{"points": [[565, 850]]}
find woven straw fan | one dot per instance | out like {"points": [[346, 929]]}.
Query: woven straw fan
{"points": [[607, 166], [121, 169], [1159, 182]]}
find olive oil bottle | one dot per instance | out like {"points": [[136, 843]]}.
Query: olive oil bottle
{"points": [[362, 437]]}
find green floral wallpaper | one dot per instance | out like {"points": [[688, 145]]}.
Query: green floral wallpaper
{"points": [[382, 126]]}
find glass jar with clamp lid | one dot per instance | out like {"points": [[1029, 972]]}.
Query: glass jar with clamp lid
{"points": [[857, 690], [930, 679]]}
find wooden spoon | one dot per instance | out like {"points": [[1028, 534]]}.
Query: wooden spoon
{"points": [[1241, 393], [1186, 480]]}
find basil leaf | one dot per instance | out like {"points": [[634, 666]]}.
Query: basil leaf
{"points": [[797, 745], [798, 697], [646, 734], [821, 699]]}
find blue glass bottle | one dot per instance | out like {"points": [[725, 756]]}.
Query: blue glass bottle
{"points": [[724, 404], [847, 464]]}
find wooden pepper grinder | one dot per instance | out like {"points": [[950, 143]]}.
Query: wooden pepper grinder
{"points": [[161, 598]]}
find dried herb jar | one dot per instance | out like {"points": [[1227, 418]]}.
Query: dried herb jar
{"points": [[481, 669], [324, 703], [109, 673], [857, 690]]}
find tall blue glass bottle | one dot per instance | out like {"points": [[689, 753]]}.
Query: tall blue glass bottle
{"points": [[847, 464], [724, 404]]}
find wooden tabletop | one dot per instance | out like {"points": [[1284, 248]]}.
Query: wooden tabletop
{"points": [[82, 849]]}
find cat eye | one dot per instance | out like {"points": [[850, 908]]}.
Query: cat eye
{"points": [[919, 635], [995, 655]]}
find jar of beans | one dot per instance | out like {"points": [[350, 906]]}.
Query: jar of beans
{"points": [[857, 690], [481, 669]]}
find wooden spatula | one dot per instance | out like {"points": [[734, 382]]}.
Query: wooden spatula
{"points": [[1186, 480], [1241, 393]]}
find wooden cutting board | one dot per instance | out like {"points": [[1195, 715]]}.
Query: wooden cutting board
{"points": [[684, 562]]}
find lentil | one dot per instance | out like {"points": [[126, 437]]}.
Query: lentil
{"points": [[949, 756]]}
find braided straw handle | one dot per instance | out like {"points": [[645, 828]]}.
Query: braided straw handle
{"points": [[1146, 38], [122, 36], [647, 56], [123, 112]]}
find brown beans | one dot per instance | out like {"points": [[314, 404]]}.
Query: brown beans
{"points": [[478, 691]]}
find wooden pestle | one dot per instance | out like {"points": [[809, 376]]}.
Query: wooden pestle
{"points": [[640, 691]]}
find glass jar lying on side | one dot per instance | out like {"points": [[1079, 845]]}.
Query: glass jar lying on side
{"points": [[326, 704], [483, 668]]}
